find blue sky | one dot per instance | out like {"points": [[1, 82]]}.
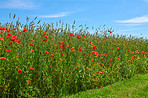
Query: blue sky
{"points": [[124, 16]]}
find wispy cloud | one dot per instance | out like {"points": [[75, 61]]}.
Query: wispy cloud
{"points": [[62, 14], [130, 24], [17, 4], [143, 19]]}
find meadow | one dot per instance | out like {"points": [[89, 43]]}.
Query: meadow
{"points": [[55, 60]]}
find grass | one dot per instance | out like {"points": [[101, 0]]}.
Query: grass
{"points": [[55, 60], [135, 87]]}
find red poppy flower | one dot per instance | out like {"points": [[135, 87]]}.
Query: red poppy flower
{"points": [[28, 81], [105, 54], [118, 59], [62, 54], [51, 55], [80, 49], [7, 37], [3, 58], [19, 71], [93, 51], [94, 45], [18, 41], [79, 36], [62, 46], [67, 45], [44, 33], [2, 28], [84, 36], [90, 41], [8, 50], [19, 31], [71, 34], [101, 63], [51, 31], [44, 39], [8, 30], [9, 34], [25, 30], [129, 60], [1, 38], [46, 36], [31, 44], [96, 53], [46, 52], [109, 31], [31, 68], [13, 38], [110, 63], [101, 57]]}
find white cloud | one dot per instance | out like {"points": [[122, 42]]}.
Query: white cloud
{"points": [[130, 24], [143, 19], [62, 14], [17, 4]]}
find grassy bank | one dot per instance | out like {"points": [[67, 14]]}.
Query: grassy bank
{"points": [[135, 87]]}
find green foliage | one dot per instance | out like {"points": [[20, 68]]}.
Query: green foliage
{"points": [[60, 61]]}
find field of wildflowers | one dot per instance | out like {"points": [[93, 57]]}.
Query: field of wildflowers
{"points": [[53, 61]]}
